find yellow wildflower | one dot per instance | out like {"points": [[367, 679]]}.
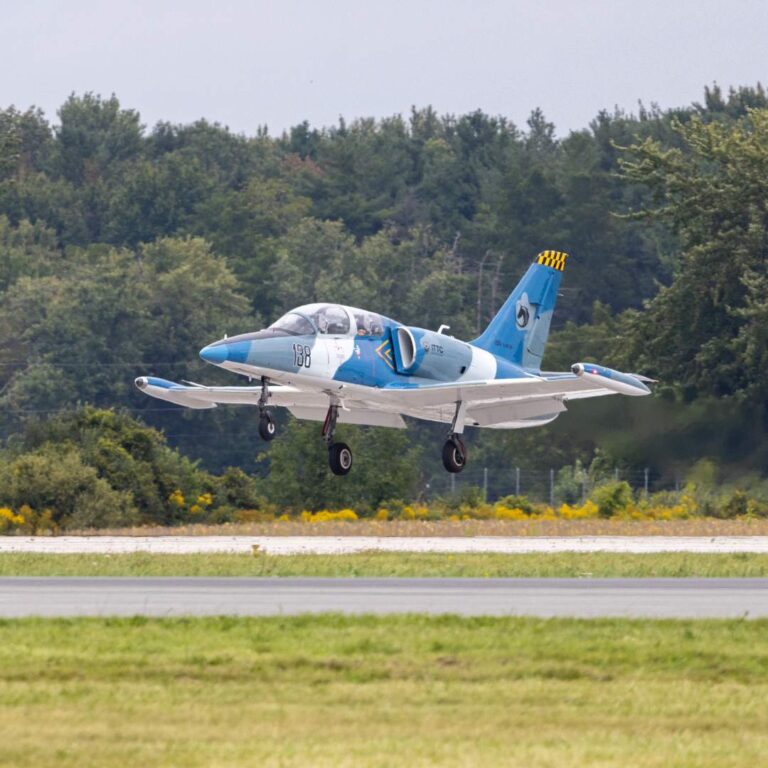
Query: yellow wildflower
{"points": [[177, 498]]}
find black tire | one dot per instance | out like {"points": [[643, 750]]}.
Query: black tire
{"points": [[340, 458], [267, 427], [454, 454]]}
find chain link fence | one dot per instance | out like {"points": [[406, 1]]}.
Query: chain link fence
{"points": [[545, 485]]}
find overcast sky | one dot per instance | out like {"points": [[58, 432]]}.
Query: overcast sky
{"points": [[246, 64]]}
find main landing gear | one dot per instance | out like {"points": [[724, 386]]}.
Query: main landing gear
{"points": [[339, 454], [267, 426], [454, 450]]}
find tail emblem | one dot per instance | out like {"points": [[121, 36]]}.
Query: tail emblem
{"points": [[554, 259], [523, 313]]}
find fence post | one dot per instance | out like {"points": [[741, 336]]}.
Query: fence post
{"points": [[453, 483], [517, 481], [552, 488], [615, 474], [485, 483], [645, 482]]}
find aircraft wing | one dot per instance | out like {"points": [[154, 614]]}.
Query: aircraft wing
{"points": [[199, 396], [500, 403], [304, 403], [512, 403]]}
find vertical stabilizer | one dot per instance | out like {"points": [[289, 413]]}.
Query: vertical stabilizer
{"points": [[519, 330]]}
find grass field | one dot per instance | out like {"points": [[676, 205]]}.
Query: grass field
{"points": [[376, 564], [395, 691]]}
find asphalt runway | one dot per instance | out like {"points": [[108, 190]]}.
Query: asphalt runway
{"points": [[584, 598]]}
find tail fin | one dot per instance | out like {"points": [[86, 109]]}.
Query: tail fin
{"points": [[520, 329]]}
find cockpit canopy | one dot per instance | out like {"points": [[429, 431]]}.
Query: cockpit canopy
{"points": [[325, 319], [292, 324], [330, 319]]}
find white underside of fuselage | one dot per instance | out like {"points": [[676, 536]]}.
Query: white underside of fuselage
{"points": [[351, 397]]}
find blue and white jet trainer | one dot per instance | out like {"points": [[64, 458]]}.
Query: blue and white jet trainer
{"points": [[342, 365]]}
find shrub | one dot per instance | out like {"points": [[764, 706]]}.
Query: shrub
{"points": [[131, 457], [237, 489], [612, 498], [328, 516], [9, 521], [570, 482], [585, 511], [56, 479], [517, 502], [509, 513], [736, 505]]}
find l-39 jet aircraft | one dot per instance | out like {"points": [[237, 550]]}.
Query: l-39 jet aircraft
{"points": [[342, 365]]}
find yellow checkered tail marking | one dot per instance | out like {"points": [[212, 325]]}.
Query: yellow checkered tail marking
{"points": [[554, 259]]}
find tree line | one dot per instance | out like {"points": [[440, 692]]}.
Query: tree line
{"points": [[124, 249]]}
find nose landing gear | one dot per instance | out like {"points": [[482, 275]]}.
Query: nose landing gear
{"points": [[454, 450], [267, 426], [339, 454]]}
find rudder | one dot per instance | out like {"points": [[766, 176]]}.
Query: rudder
{"points": [[520, 329]]}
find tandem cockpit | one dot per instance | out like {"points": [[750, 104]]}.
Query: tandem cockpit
{"points": [[318, 319], [329, 319]]}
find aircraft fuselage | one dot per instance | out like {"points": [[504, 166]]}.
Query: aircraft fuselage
{"points": [[377, 354]]}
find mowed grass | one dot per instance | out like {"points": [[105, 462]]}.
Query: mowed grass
{"points": [[379, 564], [389, 691]]}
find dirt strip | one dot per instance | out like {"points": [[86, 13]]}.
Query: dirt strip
{"points": [[336, 545]]}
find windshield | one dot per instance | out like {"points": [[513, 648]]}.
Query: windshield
{"points": [[293, 324]]}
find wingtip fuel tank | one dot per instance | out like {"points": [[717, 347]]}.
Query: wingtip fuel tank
{"points": [[623, 383]]}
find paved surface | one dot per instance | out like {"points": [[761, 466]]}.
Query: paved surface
{"points": [[335, 545], [672, 598]]}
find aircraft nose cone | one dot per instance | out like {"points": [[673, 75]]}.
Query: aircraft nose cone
{"points": [[214, 353]]}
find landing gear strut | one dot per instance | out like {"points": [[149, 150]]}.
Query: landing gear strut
{"points": [[339, 454], [267, 426], [454, 450]]}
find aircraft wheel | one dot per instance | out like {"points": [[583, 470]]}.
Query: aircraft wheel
{"points": [[267, 427], [340, 458], [454, 454]]}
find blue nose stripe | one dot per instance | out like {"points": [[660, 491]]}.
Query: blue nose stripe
{"points": [[215, 353]]}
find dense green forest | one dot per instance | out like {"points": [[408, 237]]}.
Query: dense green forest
{"points": [[125, 249]]}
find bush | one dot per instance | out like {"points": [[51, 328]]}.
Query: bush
{"points": [[736, 505], [238, 490], [131, 458], [612, 498], [60, 490], [570, 483], [517, 502]]}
